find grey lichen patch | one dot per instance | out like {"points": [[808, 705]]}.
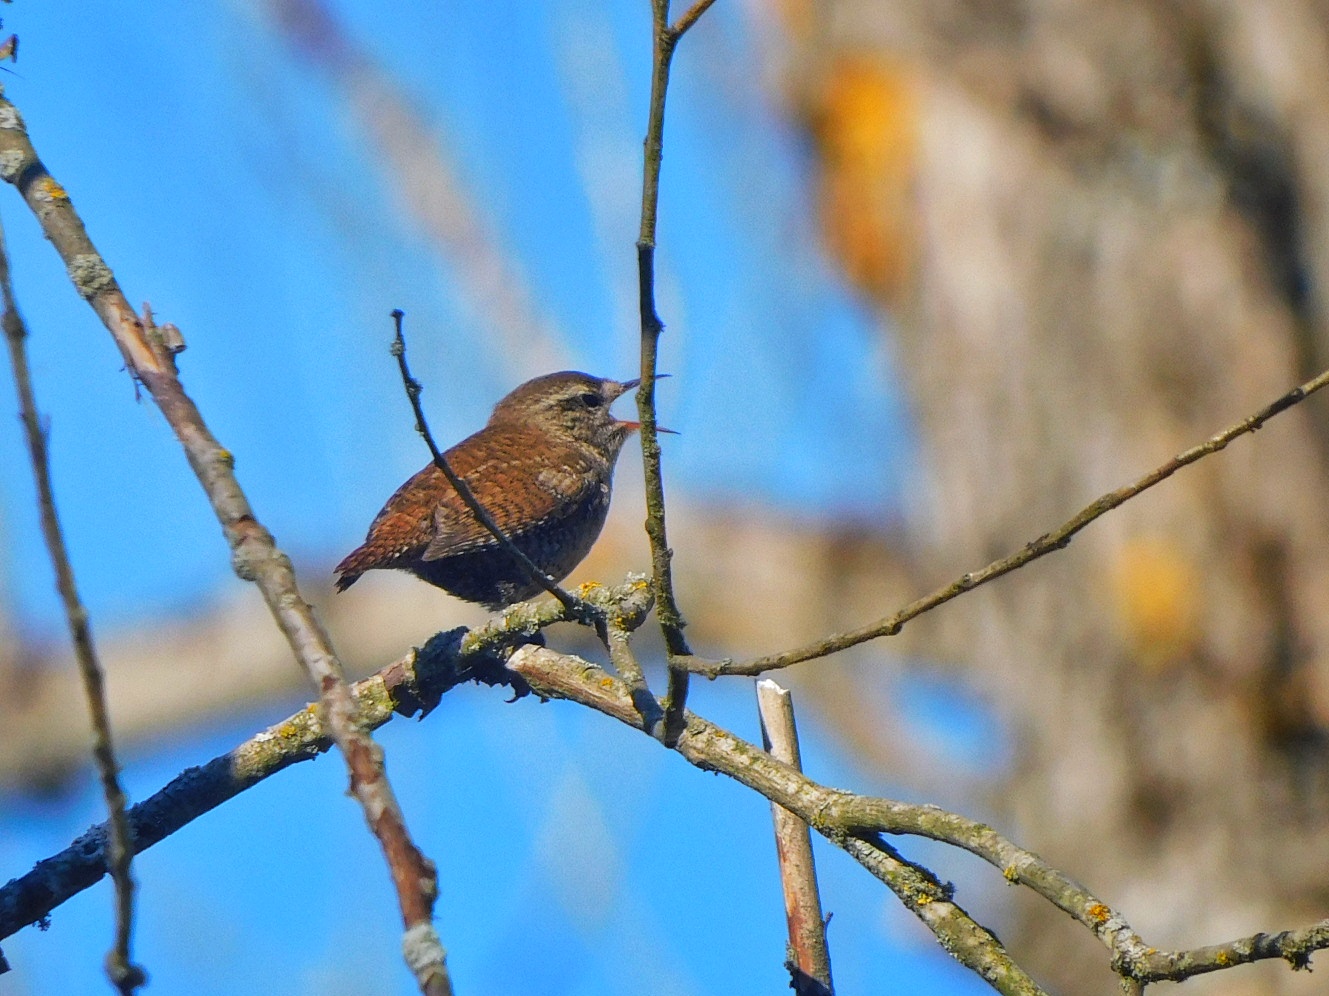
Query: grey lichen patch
{"points": [[242, 563], [12, 163], [375, 702], [10, 119], [422, 948], [90, 275]]}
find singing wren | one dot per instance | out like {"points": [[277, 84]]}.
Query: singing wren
{"points": [[543, 468]]}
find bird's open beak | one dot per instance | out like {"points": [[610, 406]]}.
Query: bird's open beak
{"points": [[659, 428], [627, 386]]}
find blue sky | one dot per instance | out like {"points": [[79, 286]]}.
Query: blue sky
{"points": [[228, 182], [225, 183]]}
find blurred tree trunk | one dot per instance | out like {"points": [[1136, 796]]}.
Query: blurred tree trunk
{"points": [[1101, 228]]}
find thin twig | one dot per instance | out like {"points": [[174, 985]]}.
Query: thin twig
{"points": [[671, 619], [575, 606], [254, 554], [1058, 539], [124, 974], [689, 18], [810, 965]]}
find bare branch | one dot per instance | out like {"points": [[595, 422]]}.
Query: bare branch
{"points": [[964, 939], [254, 554], [124, 974], [1293, 946], [1058, 539], [689, 18]]}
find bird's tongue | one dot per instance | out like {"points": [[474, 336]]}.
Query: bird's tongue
{"points": [[635, 426]]}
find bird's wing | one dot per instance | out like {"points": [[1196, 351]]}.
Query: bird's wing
{"points": [[526, 480], [402, 528]]}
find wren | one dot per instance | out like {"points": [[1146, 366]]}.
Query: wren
{"points": [[542, 467]]}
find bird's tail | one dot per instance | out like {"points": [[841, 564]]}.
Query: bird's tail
{"points": [[351, 567]]}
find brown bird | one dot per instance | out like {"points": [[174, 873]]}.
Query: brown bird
{"points": [[542, 468]]}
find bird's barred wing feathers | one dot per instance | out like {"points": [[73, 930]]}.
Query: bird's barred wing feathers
{"points": [[526, 485]]}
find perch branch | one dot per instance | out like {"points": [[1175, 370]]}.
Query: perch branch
{"points": [[412, 685], [415, 683]]}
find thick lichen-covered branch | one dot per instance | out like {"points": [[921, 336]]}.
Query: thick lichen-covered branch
{"points": [[410, 686]]}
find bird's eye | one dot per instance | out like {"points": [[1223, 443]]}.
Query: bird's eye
{"points": [[591, 400]]}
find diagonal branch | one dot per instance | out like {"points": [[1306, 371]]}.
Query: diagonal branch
{"points": [[964, 939], [1058, 539], [124, 974], [254, 554]]}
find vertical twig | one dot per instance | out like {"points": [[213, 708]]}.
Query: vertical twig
{"points": [[124, 974], [809, 963], [665, 39]]}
